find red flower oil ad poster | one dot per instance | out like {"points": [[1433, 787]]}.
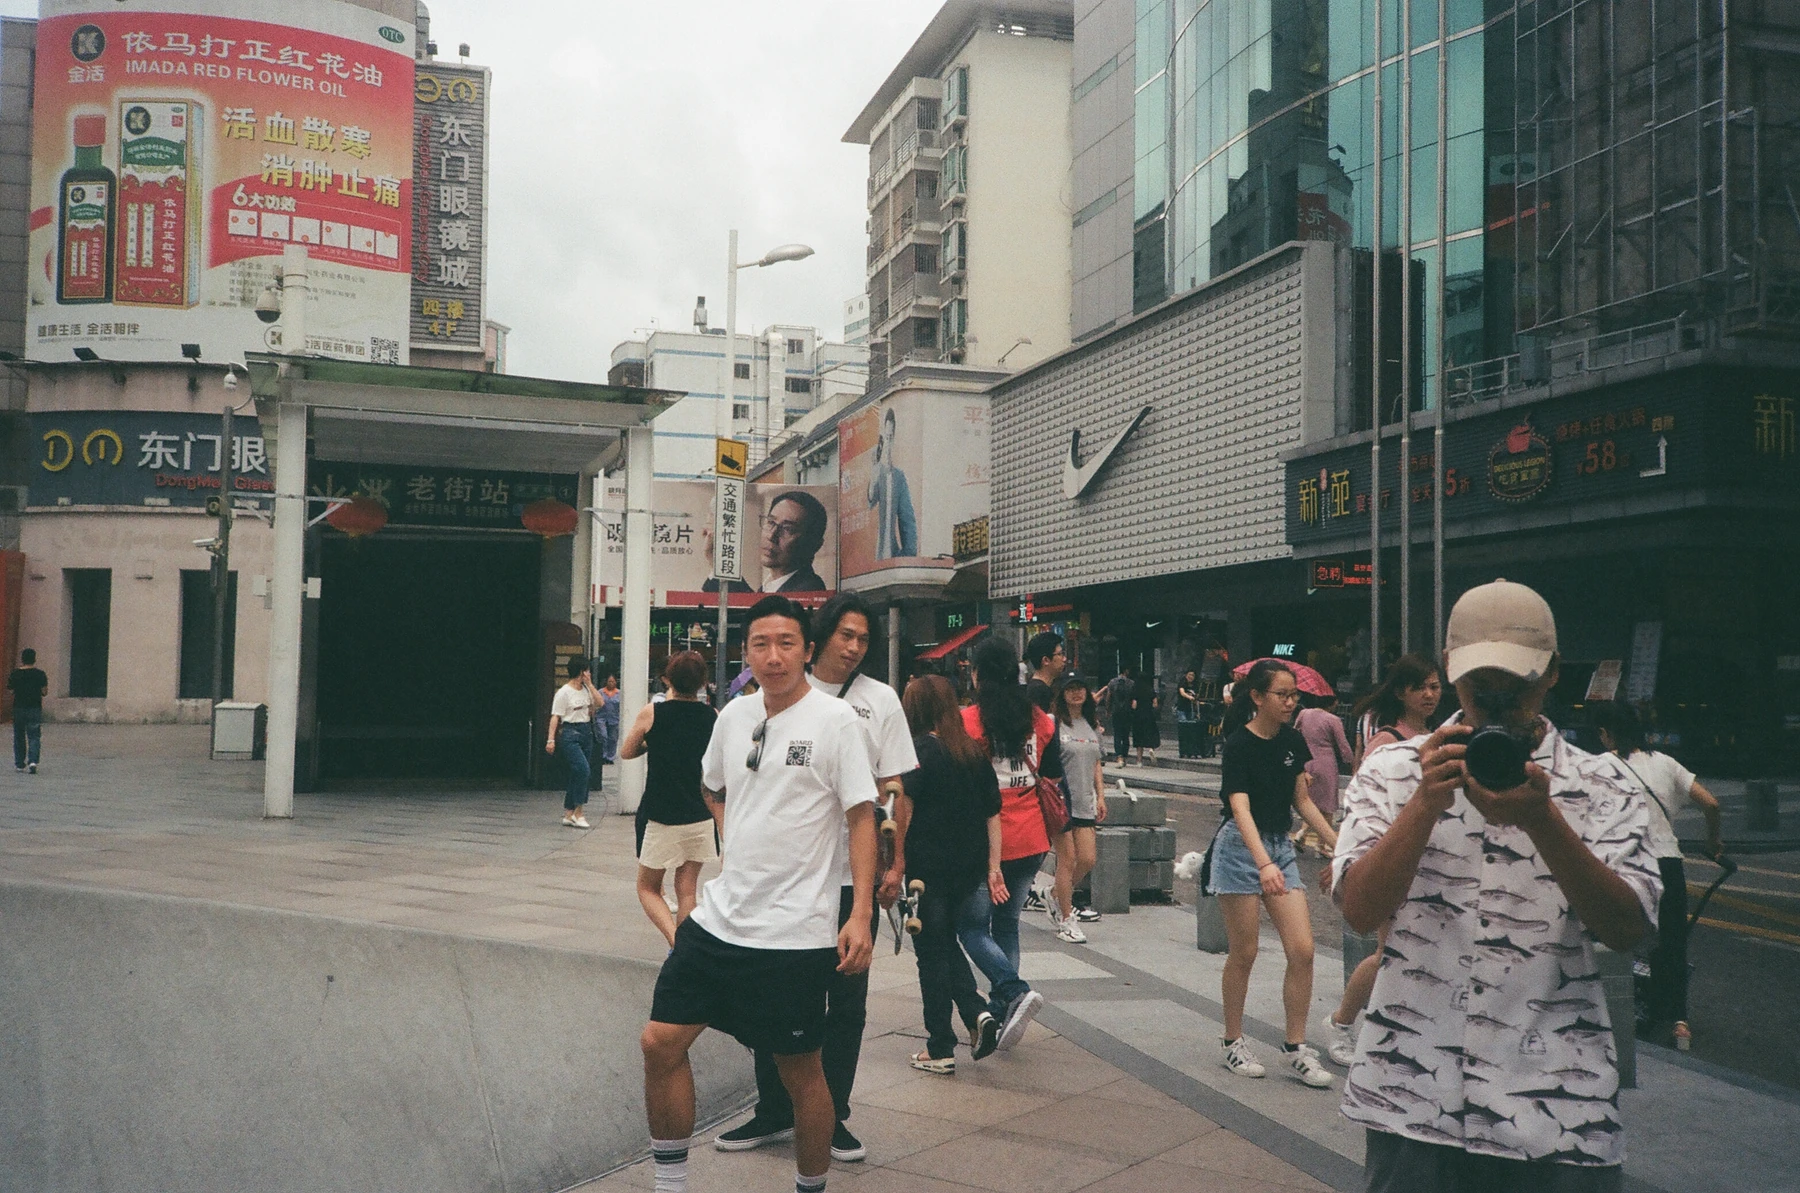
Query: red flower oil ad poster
{"points": [[180, 146]]}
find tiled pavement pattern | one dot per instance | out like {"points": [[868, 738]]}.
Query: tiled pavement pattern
{"points": [[141, 808]]}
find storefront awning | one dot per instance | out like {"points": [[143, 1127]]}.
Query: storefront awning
{"points": [[945, 647]]}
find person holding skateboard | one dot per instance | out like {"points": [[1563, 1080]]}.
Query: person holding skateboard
{"points": [[951, 810], [840, 632], [768, 939]]}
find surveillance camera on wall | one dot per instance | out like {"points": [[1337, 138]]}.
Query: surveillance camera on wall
{"points": [[207, 544], [268, 307], [230, 380]]}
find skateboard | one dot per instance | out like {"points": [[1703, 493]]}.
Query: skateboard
{"points": [[903, 916]]}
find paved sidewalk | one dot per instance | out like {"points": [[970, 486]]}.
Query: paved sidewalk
{"points": [[1119, 1088]]}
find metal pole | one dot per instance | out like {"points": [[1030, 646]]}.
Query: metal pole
{"points": [[1443, 363], [634, 645], [1406, 345], [1375, 409], [287, 578], [722, 430], [222, 561], [893, 636]]}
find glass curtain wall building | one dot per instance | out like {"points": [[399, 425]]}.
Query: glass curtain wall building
{"points": [[1549, 169]]}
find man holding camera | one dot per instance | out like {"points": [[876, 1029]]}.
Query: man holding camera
{"points": [[1498, 853]]}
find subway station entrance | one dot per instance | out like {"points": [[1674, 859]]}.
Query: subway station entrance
{"points": [[428, 655], [442, 566]]}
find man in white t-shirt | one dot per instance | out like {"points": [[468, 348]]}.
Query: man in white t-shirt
{"points": [[759, 952], [841, 632]]}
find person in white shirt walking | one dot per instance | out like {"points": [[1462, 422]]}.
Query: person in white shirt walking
{"points": [[841, 634], [1667, 782], [572, 738], [757, 957], [1498, 853]]}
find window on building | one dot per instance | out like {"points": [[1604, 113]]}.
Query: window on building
{"points": [[740, 411], [956, 94], [796, 347], [956, 247], [954, 319], [197, 634], [928, 113], [925, 185], [799, 385], [741, 370], [925, 259], [956, 170], [1149, 280], [89, 596], [925, 333]]}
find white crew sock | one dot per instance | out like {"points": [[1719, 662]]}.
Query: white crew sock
{"points": [[671, 1164]]}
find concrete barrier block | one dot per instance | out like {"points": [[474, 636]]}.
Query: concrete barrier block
{"points": [[1111, 877], [1153, 844], [1617, 980], [1139, 810], [1209, 924], [1153, 876]]}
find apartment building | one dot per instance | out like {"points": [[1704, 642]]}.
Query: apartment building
{"points": [[783, 373], [968, 191]]}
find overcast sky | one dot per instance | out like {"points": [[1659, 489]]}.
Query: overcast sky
{"points": [[630, 136]]}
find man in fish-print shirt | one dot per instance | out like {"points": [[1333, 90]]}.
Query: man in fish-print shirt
{"points": [[1486, 1060]]}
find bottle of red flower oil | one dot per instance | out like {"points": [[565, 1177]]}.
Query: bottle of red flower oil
{"points": [[86, 205]]}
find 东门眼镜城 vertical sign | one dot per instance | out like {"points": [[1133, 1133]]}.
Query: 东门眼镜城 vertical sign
{"points": [[180, 147], [450, 152]]}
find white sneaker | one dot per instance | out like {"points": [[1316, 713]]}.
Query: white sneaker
{"points": [[1307, 1069], [1239, 1060], [580, 822], [1070, 931], [1342, 1041], [1019, 1017]]}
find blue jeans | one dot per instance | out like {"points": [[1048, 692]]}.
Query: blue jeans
{"points": [[28, 730], [575, 746], [607, 745], [990, 932]]}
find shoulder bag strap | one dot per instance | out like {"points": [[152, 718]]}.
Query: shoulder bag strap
{"points": [[1651, 790]]}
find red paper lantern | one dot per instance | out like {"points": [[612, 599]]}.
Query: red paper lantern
{"points": [[550, 518], [359, 517]]}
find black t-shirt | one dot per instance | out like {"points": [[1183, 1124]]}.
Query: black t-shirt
{"points": [[1264, 770], [947, 839], [28, 685], [1038, 692], [676, 743]]}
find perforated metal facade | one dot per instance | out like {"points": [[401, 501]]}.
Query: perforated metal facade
{"points": [[1229, 372]]}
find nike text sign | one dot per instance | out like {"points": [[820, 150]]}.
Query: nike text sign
{"points": [[1079, 475]]}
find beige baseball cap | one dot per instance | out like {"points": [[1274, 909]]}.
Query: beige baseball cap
{"points": [[1501, 625]]}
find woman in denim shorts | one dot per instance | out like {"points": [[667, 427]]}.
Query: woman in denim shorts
{"points": [[1262, 783]]}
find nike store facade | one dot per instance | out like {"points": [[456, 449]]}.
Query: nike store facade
{"points": [[1138, 478]]}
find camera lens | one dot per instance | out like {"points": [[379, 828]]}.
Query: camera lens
{"points": [[1496, 759]]}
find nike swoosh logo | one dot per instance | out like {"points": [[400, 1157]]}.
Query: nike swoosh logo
{"points": [[1077, 476]]}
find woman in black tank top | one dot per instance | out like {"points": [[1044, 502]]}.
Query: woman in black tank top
{"points": [[676, 827]]}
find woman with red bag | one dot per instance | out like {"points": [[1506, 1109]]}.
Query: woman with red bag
{"points": [[1021, 742]]}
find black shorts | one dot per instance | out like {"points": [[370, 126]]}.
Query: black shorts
{"points": [[768, 999], [1082, 822]]}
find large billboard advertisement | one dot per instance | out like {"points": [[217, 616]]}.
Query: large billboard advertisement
{"points": [[791, 541], [179, 148], [450, 157], [910, 467]]}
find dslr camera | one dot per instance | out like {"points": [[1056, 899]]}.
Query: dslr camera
{"points": [[1497, 752]]}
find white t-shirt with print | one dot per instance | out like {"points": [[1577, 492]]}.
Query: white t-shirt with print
{"points": [[785, 834], [1671, 784], [885, 734], [573, 705]]}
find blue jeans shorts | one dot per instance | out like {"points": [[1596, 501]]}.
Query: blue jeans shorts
{"points": [[1234, 871]]}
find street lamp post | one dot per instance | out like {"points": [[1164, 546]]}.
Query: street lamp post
{"points": [[722, 416]]}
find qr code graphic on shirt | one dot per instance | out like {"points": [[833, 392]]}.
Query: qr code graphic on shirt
{"points": [[799, 753], [383, 351]]}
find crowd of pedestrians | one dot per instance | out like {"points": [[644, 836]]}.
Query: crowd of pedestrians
{"points": [[1488, 852]]}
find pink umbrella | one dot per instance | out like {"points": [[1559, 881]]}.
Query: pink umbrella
{"points": [[1308, 680]]}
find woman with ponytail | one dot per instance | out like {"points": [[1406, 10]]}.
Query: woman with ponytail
{"points": [[1262, 784]]}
